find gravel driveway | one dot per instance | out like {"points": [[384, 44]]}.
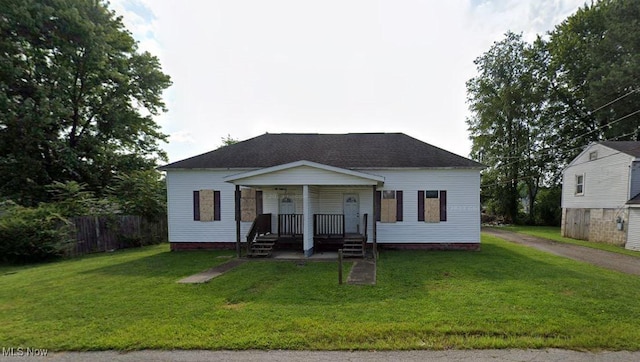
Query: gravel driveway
{"points": [[606, 259]]}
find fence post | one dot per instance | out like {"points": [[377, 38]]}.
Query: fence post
{"points": [[97, 225], [339, 266]]}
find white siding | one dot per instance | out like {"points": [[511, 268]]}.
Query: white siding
{"points": [[182, 227], [463, 206], [633, 230], [331, 201], [606, 179]]}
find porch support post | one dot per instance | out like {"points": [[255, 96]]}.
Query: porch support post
{"points": [[307, 236], [374, 224], [237, 204]]}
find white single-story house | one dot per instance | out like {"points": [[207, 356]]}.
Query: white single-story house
{"points": [[312, 192], [601, 194]]}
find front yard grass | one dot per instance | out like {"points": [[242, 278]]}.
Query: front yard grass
{"points": [[553, 233], [505, 296]]}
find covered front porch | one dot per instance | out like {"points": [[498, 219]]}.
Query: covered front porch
{"points": [[306, 207], [329, 235]]}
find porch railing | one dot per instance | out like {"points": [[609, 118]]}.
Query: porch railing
{"points": [[328, 225], [365, 220], [290, 225]]}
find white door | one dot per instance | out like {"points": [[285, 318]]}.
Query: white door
{"points": [[287, 206], [351, 213]]}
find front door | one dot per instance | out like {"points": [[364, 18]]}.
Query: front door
{"points": [[351, 213], [287, 206]]}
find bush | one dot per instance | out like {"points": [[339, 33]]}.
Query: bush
{"points": [[548, 210], [33, 234]]}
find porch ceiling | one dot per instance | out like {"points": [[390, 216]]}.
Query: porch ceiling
{"points": [[304, 173]]}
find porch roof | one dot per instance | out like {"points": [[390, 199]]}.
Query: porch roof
{"points": [[304, 173]]}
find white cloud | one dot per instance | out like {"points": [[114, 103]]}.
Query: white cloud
{"points": [[245, 67]]}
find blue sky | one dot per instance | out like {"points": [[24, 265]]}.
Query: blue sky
{"points": [[246, 67]]}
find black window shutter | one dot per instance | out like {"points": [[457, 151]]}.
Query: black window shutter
{"points": [[258, 203], [378, 205], [216, 205], [196, 205], [420, 205], [443, 205], [237, 203], [398, 205]]}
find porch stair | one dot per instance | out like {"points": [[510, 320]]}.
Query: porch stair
{"points": [[353, 247], [263, 246]]}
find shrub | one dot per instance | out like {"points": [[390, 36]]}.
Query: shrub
{"points": [[33, 234]]}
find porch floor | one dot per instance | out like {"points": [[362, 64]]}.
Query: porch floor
{"points": [[299, 255]]}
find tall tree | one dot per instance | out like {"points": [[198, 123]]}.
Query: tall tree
{"points": [[505, 102], [76, 98], [595, 75]]}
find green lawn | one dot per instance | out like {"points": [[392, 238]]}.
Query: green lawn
{"points": [[553, 233], [505, 296]]}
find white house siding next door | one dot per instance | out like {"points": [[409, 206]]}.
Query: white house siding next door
{"points": [[351, 213], [633, 236]]}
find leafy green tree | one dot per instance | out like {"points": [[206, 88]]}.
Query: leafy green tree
{"points": [[595, 76], [76, 98], [228, 140], [141, 193], [505, 127]]}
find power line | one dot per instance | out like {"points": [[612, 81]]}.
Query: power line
{"points": [[612, 102], [604, 125], [584, 134]]}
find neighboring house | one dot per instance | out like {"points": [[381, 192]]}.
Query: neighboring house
{"points": [[601, 194], [312, 192]]}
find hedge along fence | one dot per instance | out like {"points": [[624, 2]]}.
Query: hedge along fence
{"points": [[94, 234]]}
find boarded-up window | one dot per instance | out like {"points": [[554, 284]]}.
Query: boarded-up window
{"points": [[250, 204], [391, 206], [388, 206], [432, 206], [206, 205]]}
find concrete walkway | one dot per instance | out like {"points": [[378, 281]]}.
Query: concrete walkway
{"points": [[363, 272], [209, 274], [489, 355], [606, 259]]}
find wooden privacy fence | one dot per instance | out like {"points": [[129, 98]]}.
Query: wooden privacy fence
{"points": [[94, 234]]}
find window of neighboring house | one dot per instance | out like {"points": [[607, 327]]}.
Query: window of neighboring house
{"points": [[389, 206], [432, 206], [593, 155], [206, 205], [580, 184], [250, 204]]}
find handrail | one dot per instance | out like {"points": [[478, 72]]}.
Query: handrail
{"points": [[365, 220], [261, 225]]}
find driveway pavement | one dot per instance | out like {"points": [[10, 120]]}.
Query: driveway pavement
{"points": [[511, 355], [606, 259]]}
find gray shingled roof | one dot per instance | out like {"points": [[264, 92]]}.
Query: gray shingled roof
{"points": [[352, 150], [631, 148]]}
